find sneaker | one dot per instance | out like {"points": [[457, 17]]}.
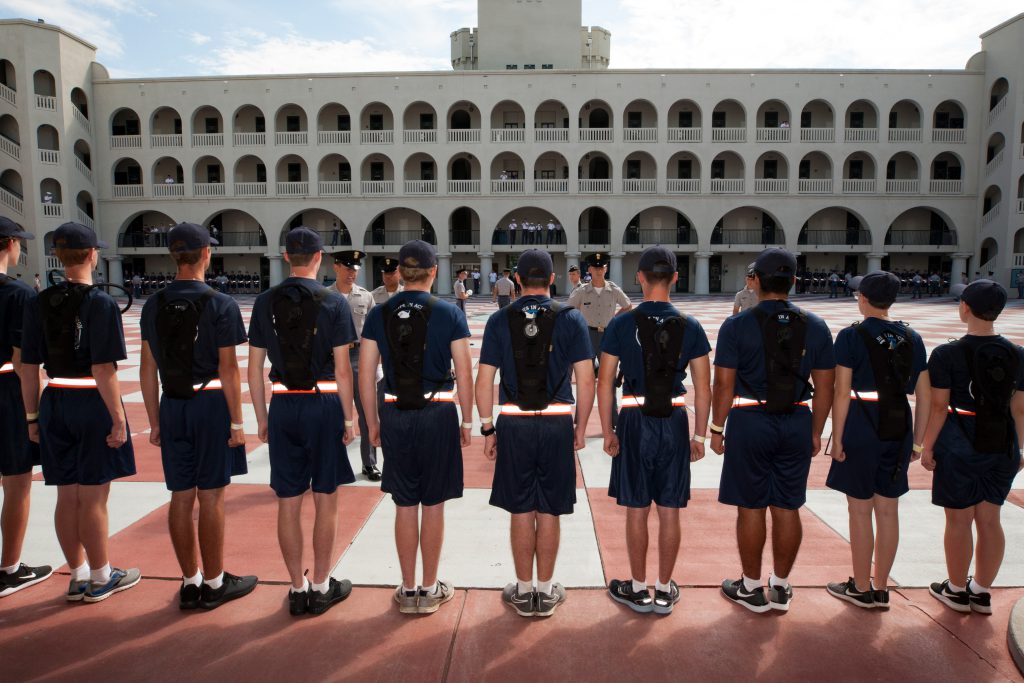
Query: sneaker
{"points": [[188, 596], [297, 602], [318, 602], [847, 590], [547, 602], [408, 601], [120, 580], [664, 601], [431, 602], [881, 598], [23, 577], [524, 605], [980, 602], [959, 601], [76, 590], [371, 472], [779, 598], [754, 600], [232, 588], [622, 592]]}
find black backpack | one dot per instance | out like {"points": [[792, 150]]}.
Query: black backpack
{"points": [[294, 310], [531, 335], [60, 311], [994, 366], [892, 356], [785, 334], [405, 326], [662, 348], [177, 328]]}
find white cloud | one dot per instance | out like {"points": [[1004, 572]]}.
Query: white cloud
{"points": [[199, 38], [92, 20]]}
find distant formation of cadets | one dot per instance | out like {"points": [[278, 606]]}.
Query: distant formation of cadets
{"points": [[398, 359]]}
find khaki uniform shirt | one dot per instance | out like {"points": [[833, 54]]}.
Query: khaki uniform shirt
{"points": [[504, 287], [745, 298], [460, 289], [360, 301], [381, 294], [599, 309]]}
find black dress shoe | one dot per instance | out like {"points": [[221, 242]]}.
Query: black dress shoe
{"points": [[188, 596], [336, 592], [372, 473], [232, 588]]}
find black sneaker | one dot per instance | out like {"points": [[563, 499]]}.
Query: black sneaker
{"points": [[754, 600], [297, 602], [23, 577], [780, 598], [638, 601], [847, 590], [371, 472], [881, 597], [318, 602], [959, 600], [232, 588], [664, 601], [189, 595], [524, 604], [980, 602]]}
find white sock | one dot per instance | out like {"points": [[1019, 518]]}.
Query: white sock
{"points": [[322, 587], [639, 586], [305, 586], [13, 568], [976, 587], [955, 588], [751, 585], [524, 587], [80, 573], [216, 583], [101, 575], [196, 580], [544, 587], [663, 587], [431, 589], [777, 581]]}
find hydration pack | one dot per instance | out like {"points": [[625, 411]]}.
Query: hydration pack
{"points": [[177, 328], [294, 309], [784, 333], [405, 325], [661, 344], [531, 332], [891, 355], [994, 367], [60, 310]]}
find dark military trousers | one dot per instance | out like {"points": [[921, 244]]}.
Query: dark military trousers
{"points": [[367, 453], [595, 345]]}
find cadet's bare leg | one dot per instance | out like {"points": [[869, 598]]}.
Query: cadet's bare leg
{"points": [[750, 537], [959, 544], [991, 543], [637, 541], [524, 544], [431, 540], [787, 533], [669, 536], [14, 518], [289, 536], [407, 541], [549, 535], [183, 532], [325, 529]]}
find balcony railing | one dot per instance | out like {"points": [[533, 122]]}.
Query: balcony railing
{"points": [[771, 186], [168, 190], [508, 187], [162, 140], [647, 236], [125, 142], [420, 136], [834, 238], [243, 239], [639, 185], [920, 238], [395, 238], [52, 210], [508, 135], [859, 185], [861, 135], [727, 185], [8, 95], [684, 185], [297, 137], [1018, 260], [596, 135], [334, 137], [550, 186], [462, 237], [208, 139], [127, 191], [464, 186], [904, 135], [47, 102], [250, 139], [994, 162], [378, 187], [335, 188], [818, 134], [551, 135], [596, 185], [85, 219], [464, 135], [208, 190], [991, 214], [247, 189], [377, 137], [729, 134], [80, 117], [692, 134], [83, 169], [49, 156], [773, 134], [948, 135], [640, 135], [10, 147], [1020, 205], [763, 236], [595, 236], [293, 189], [11, 200], [903, 186], [995, 111], [150, 240], [421, 187], [814, 186], [946, 187]]}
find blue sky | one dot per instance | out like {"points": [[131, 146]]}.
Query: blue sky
{"points": [[187, 37]]}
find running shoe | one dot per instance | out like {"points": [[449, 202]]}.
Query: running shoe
{"points": [[232, 588], [336, 592], [548, 602], [23, 577], [754, 600], [959, 601], [847, 590], [297, 602], [524, 605], [780, 598], [980, 602], [622, 592], [431, 602], [120, 580], [664, 601], [189, 595], [408, 601], [76, 590]]}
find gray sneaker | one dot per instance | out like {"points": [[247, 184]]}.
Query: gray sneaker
{"points": [[547, 603], [431, 602], [524, 605], [780, 598], [407, 603], [120, 580], [76, 591]]}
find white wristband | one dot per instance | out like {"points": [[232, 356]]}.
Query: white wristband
{"points": [[349, 423], [31, 416], [467, 425], [918, 448], [700, 439], [236, 427], [486, 420]]}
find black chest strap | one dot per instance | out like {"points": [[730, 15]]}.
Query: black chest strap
{"points": [[891, 356], [661, 345], [177, 328]]}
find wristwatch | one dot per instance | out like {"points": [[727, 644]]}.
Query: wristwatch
{"points": [[487, 431]]}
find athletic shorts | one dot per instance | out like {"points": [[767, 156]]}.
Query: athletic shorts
{"points": [[653, 464], [535, 470], [872, 467], [18, 455], [73, 429], [194, 438], [767, 459], [963, 477], [422, 454], [306, 449]]}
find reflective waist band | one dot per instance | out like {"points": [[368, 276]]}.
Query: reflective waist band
{"points": [[438, 397], [553, 409], [961, 411], [212, 384], [6, 367], [277, 388], [72, 383], [637, 401], [743, 402], [864, 395]]}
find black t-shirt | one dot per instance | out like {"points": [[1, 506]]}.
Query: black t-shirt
{"points": [[947, 369], [15, 295], [100, 339]]}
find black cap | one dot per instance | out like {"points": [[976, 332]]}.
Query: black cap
{"points": [[984, 297], [460, 271], [598, 260], [657, 260], [574, 269], [534, 263], [76, 236], [188, 237], [775, 261], [9, 228], [417, 254], [880, 287], [752, 269], [389, 265], [302, 240], [351, 258]]}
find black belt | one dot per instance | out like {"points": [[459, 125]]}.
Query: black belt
{"points": [[595, 329]]}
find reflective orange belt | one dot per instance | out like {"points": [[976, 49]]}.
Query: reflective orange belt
{"points": [[321, 387], [637, 401], [6, 367], [212, 384], [960, 411], [553, 409], [437, 397], [72, 383], [864, 395], [743, 402]]}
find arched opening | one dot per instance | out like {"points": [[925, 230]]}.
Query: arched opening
{"points": [[464, 174], [551, 122], [817, 122], [991, 201], [660, 225], [773, 122], [815, 174], [684, 121], [987, 256], [727, 173], [508, 121], [165, 128], [507, 173], [595, 228], [528, 225], [861, 122], [551, 173], [50, 192], [10, 131], [639, 173], [84, 204], [748, 225], [335, 176], [596, 114], [44, 84], [10, 180], [948, 122], [921, 226], [1018, 242], [377, 124], [147, 229], [947, 174], [250, 177], [641, 119], [208, 177], [397, 226], [81, 102], [420, 173], [771, 174], [859, 174], [168, 178], [994, 150], [234, 228], [8, 77], [291, 125], [905, 116], [334, 125], [834, 226], [729, 122], [292, 175], [127, 179], [420, 123], [250, 126], [331, 227], [207, 127], [378, 175], [1000, 89], [125, 123], [464, 227], [684, 173], [48, 140], [463, 115], [902, 174]]}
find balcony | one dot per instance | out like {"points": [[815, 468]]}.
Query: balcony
{"points": [[52, 210], [165, 141], [248, 240], [903, 186], [205, 190], [904, 135], [946, 187], [639, 186], [771, 186], [125, 142], [817, 135], [463, 187], [509, 135], [728, 135], [954, 135], [1018, 260], [464, 135], [152, 240], [462, 237], [250, 189], [11, 200], [83, 169], [126, 191], [508, 187], [860, 135], [208, 139], [991, 214], [378, 187], [594, 237], [396, 238], [814, 186], [46, 102], [995, 111], [335, 188], [168, 190], [49, 156], [684, 185], [293, 189], [421, 137], [684, 135], [726, 185], [81, 118], [334, 137], [1020, 205], [596, 135], [920, 238], [421, 187], [994, 162], [250, 139], [8, 95], [86, 220], [762, 236], [377, 137], [654, 236], [835, 238], [10, 147], [776, 134], [859, 186], [640, 135], [296, 137], [550, 186], [551, 135], [595, 186]]}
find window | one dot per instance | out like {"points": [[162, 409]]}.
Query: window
{"points": [[804, 172], [260, 124], [633, 168], [893, 120], [718, 169], [426, 121], [291, 124], [547, 175], [344, 171], [377, 170], [426, 170], [511, 67], [685, 169], [547, 66], [686, 119], [213, 173], [529, 66], [376, 122], [941, 170], [261, 173], [771, 169], [771, 119], [856, 119], [296, 222], [634, 119], [890, 170], [806, 120], [212, 125], [294, 173], [718, 119], [344, 122], [856, 169]]}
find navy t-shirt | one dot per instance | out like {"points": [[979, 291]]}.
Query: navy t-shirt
{"points": [[334, 328], [101, 339], [947, 369], [852, 352], [220, 326], [621, 339], [570, 344], [15, 296], [447, 324], [741, 347]]}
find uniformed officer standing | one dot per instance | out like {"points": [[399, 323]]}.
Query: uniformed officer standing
{"points": [[392, 282], [762, 363], [360, 301], [746, 297], [18, 454], [574, 279], [537, 344], [504, 290], [460, 289], [189, 335]]}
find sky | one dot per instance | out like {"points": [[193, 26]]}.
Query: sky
{"points": [[142, 39]]}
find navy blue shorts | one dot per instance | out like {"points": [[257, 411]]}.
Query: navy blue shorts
{"points": [[73, 429], [767, 459], [422, 454], [535, 470], [194, 438], [653, 464], [306, 449], [872, 467], [963, 477], [18, 455]]}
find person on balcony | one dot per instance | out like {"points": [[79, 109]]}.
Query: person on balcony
{"points": [[512, 231], [47, 197], [169, 180]]}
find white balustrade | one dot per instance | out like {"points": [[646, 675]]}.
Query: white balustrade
{"points": [[817, 135], [8, 95], [378, 187], [551, 135], [335, 188], [814, 186], [684, 134], [463, 135], [207, 190], [946, 187], [80, 117], [728, 135], [11, 147], [52, 210], [420, 136], [377, 137], [995, 161], [11, 200], [955, 135], [297, 137], [773, 134], [551, 186], [639, 185], [250, 139], [334, 137], [293, 189], [902, 186], [49, 156], [464, 186], [245, 189], [991, 214], [508, 187], [684, 185], [162, 140], [994, 113], [85, 219], [208, 139], [508, 135], [83, 169], [595, 134], [640, 135], [904, 135], [595, 185], [168, 190], [858, 185], [1020, 205], [125, 142], [771, 185], [127, 191], [421, 187], [726, 185], [47, 102], [861, 135]]}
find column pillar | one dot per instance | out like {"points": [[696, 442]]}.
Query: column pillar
{"points": [[444, 273], [959, 269], [115, 272], [572, 258], [615, 268], [485, 273], [702, 273], [875, 262], [361, 276], [276, 269]]}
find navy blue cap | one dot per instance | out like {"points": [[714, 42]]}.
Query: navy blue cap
{"points": [[984, 297], [76, 236], [574, 269], [534, 263], [189, 237], [302, 240], [657, 260], [752, 269], [879, 287], [9, 228], [351, 258], [598, 260], [389, 265], [417, 254], [775, 261]]}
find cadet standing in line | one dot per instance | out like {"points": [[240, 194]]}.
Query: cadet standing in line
{"points": [[504, 292], [189, 335], [392, 282], [416, 337], [537, 344], [746, 297], [305, 329], [574, 279], [762, 363], [972, 444], [874, 434], [76, 333], [651, 444], [18, 454], [460, 289], [360, 301]]}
